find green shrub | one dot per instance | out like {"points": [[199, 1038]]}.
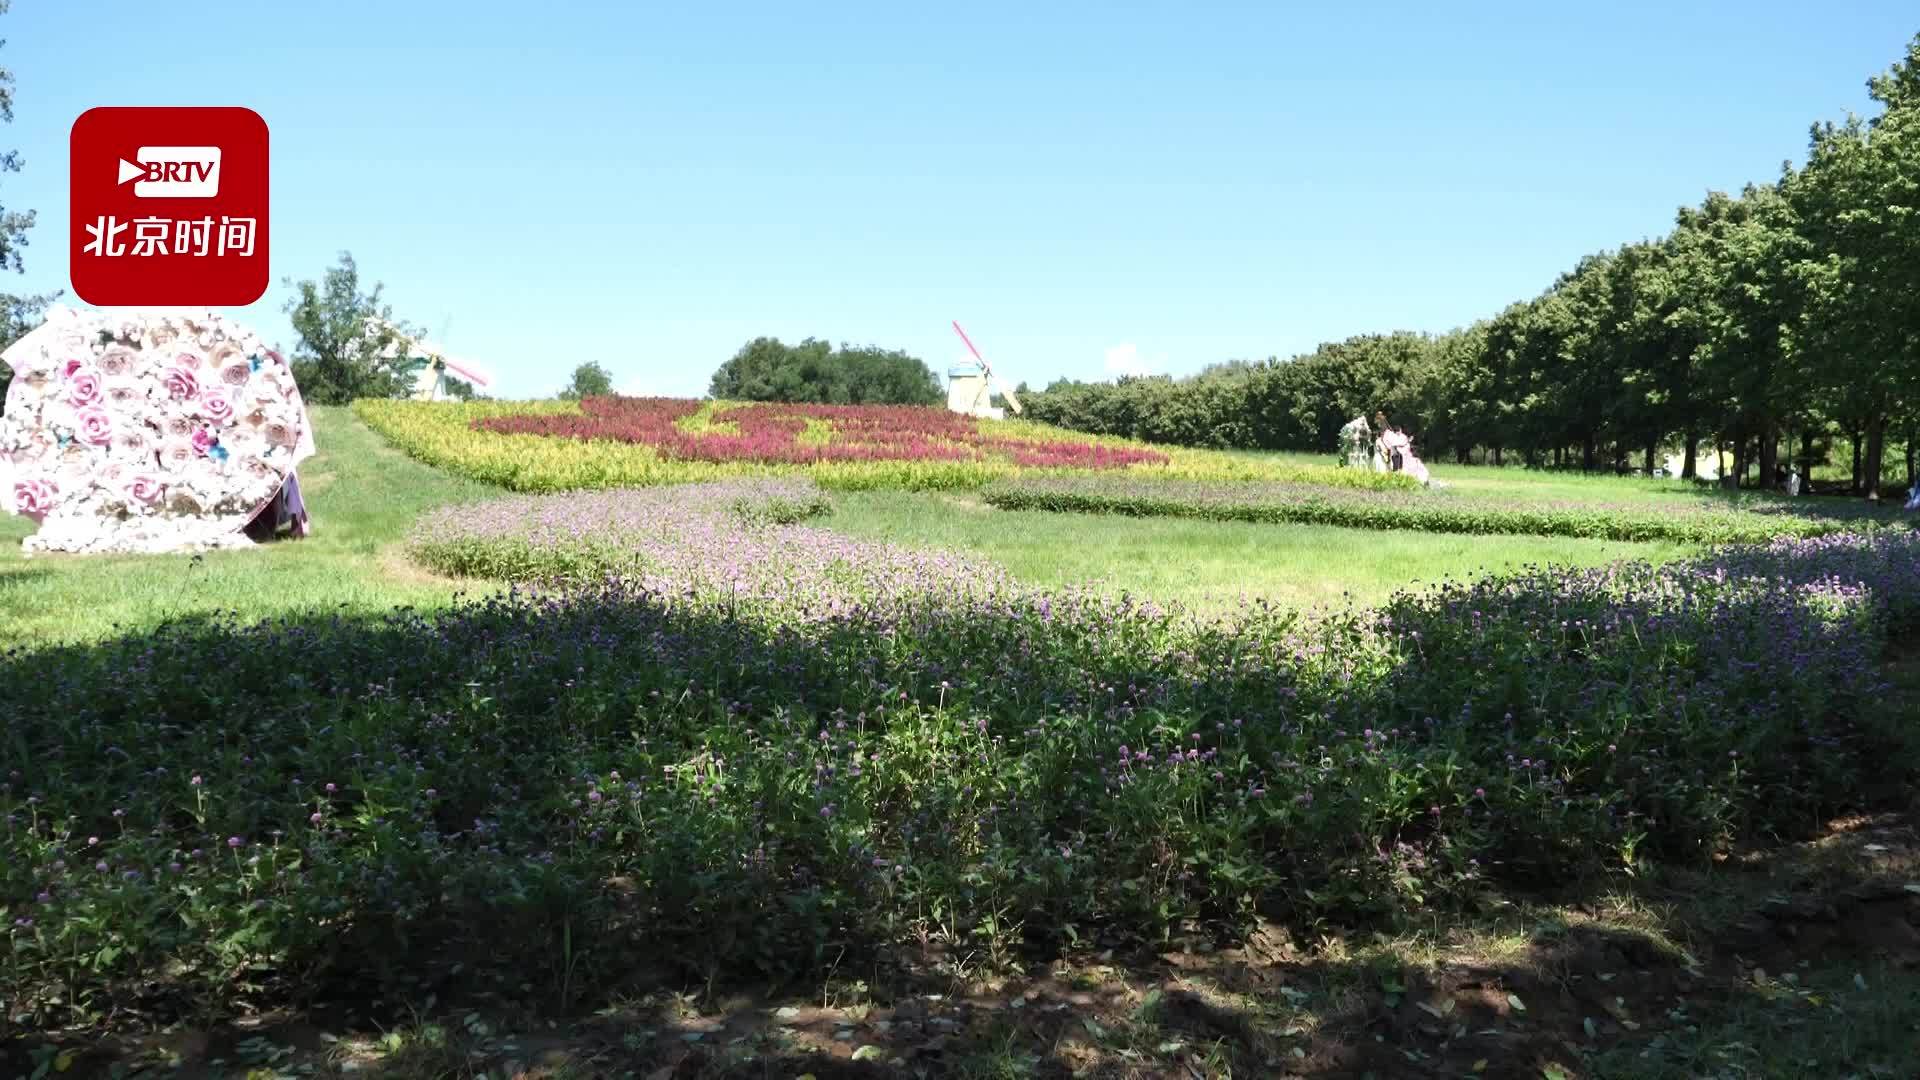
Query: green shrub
{"points": [[1424, 511]]}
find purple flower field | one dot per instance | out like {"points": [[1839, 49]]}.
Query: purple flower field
{"points": [[786, 747], [734, 542]]}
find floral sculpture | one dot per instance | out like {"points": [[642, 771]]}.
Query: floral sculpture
{"points": [[146, 432]]}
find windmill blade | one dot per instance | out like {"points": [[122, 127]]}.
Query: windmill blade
{"points": [[1012, 402], [1005, 392]]}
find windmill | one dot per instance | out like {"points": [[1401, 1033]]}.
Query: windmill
{"points": [[970, 391]]}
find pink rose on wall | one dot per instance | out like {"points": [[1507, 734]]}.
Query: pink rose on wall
{"points": [[215, 406], [187, 359], [203, 441], [181, 383], [179, 426], [236, 373], [83, 388], [34, 497], [145, 489], [67, 369], [96, 426]]}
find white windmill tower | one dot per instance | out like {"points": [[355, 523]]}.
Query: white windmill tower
{"points": [[970, 387]]}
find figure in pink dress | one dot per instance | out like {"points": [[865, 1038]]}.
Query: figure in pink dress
{"points": [[1395, 450]]}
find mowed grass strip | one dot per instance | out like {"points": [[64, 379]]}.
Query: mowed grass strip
{"points": [[1210, 566], [363, 495]]}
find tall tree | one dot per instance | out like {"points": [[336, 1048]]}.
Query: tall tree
{"points": [[1860, 198], [589, 380], [350, 344], [1739, 300], [18, 313]]}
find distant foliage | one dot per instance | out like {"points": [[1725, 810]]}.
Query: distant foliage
{"points": [[18, 314], [589, 380], [813, 371], [350, 345], [1773, 322], [1298, 405]]}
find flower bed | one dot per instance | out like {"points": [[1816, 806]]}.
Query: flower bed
{"points": [[776, 434], [630, 442], [1427, 511], [737, 543], [665, 766]]}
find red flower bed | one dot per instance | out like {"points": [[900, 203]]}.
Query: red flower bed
{"points": [[773, 433]]}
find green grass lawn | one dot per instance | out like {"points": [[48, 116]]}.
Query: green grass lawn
{"points": [[363, 496], [1204, 564]]}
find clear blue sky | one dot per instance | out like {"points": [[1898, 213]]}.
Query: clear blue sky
{"points": [[650, 185]]}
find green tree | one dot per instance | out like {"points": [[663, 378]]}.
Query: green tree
{"points": [[1859, 200], [18, 314], [589, 380], [350, 344], [766, 369], [1738, 297]]}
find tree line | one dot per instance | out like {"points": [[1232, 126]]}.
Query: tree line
{"points": [[1770, 323]]}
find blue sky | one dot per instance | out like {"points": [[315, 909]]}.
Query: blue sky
{"points": [[1086, 187]]}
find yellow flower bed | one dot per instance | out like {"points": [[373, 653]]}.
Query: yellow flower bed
{"points": [[442, 434]]}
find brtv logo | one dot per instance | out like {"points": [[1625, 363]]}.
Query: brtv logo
{"points": [[173, 172]]}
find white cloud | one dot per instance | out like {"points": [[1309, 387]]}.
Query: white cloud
{"points": [[1125, 359]]}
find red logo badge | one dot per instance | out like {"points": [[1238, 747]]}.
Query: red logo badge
{"points": [[169, 207]]}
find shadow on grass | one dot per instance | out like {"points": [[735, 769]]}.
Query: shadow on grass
{"points": [[1803, 961], [1816, 507], [13, 577]]}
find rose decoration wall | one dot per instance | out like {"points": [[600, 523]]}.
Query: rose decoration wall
{"points": [[147, 432]]}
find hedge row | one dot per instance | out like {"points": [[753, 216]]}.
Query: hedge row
{"points": [[1422, 511]]}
